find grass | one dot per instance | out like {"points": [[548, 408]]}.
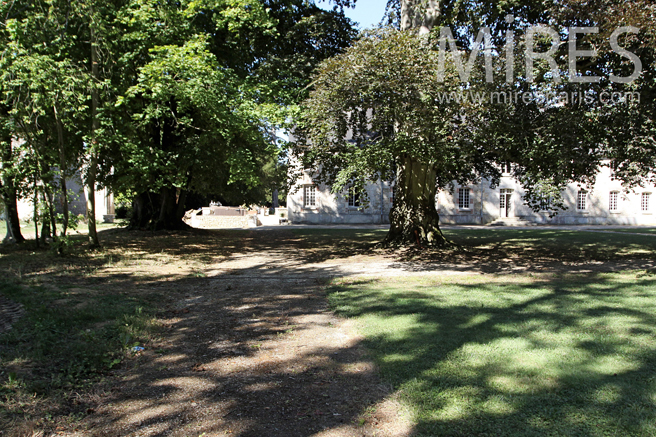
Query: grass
{"points": [[546, 240], [68, 340], [472, 355], [27, 229], [636, 230], [509, 355]]}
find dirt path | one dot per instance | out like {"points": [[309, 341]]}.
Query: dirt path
{"points": [[250, 350], [248, 345]]}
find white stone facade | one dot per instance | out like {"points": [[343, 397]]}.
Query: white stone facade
{"points": [[76, 203], [311, 203], [606, 203]]}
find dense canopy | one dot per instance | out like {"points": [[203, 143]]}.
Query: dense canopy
{"points": [[161, 102]]}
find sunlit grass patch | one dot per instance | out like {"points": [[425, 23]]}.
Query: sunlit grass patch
{"points": [[514, 355]]}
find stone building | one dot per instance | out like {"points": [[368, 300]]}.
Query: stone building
{"points": [[606, 203], [77, 201], [308, 202]]}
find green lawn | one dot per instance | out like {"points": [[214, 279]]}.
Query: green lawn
{"points": [[551, 240], [636, 230], [28, 229], [488, 355]]}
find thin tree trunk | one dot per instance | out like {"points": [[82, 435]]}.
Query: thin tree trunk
{"points": [[62, 170], [95, 125], [45, 226], [36, 212], [49, 201]]}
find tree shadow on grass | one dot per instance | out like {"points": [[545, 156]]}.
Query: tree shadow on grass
{"points": [[551, 357], [534, 249], [215, 319], [234, 356]]}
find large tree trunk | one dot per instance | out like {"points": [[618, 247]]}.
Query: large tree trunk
{"points": [[168, 211], [157, 211], [9, 195], [414, 218], [11, 214]]}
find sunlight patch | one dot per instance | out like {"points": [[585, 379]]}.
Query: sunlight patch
{"points": [[498, 405], [612, 364]]}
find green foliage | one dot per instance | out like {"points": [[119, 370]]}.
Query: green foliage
{"points": [[147, 96], [379, 101], [382, 103]]}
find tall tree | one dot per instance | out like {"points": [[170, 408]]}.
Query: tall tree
{"points": [[160, 98], [376, 112], [378, 109], [8, 180]]}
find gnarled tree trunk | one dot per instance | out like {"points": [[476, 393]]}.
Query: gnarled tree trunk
{"points": [[414, 218], [156, 211], [11, 214]]}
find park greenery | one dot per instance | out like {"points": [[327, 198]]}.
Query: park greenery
{"points": [[159, 101], [166, 103], [378, 110], [527, 334], [512, 356], [528, 331]]}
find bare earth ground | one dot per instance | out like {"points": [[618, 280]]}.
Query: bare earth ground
{"points": [[248, 346]]}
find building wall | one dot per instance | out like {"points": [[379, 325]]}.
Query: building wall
{"points": [[485, 205], [219, 221], [334, 209], [76, 201], [76, 198]]}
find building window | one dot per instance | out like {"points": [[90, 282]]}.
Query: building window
{"points": [[612, 201], [353, 197], [464, 198], [506, 168], [581, 200], [309, 195], [644, 202]]}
